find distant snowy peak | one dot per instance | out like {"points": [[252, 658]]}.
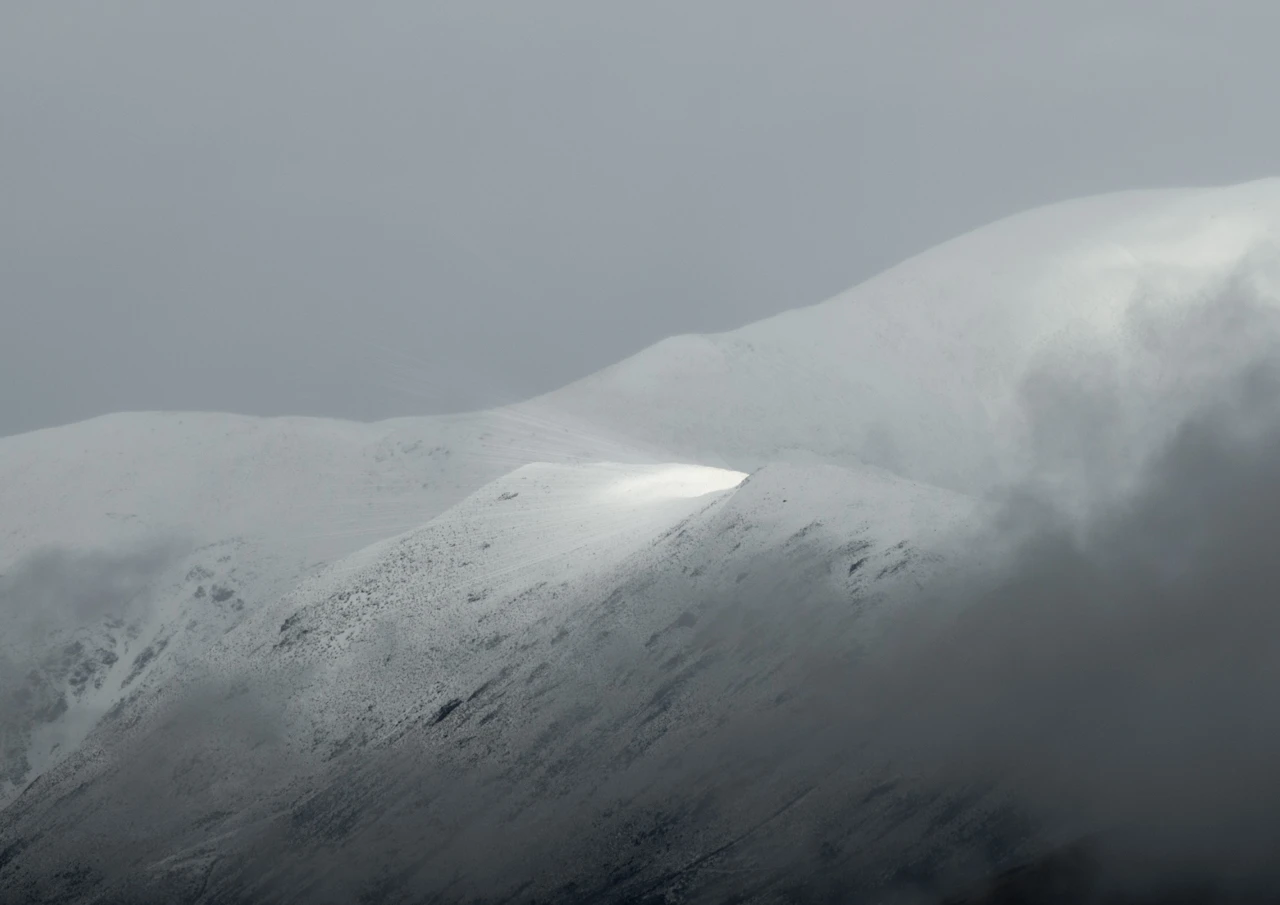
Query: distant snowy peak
{"points": [[920, 369]]}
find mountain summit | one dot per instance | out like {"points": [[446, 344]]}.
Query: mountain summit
{"points": [[593, 647]]}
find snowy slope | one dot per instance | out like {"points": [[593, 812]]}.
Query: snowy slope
{"points": [[541, 595], [128, 542], [318, 485], [919, 370], [131, 541], [560, 630], [417, 621]]}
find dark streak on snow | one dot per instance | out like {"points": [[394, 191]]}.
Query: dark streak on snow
{"points": [[446, 708]]}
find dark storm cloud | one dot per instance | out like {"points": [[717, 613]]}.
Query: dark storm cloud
{"points": [[1116, 674], [320, 208]]}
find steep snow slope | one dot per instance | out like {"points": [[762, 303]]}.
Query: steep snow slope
{"points": [[423, 618], [128, 542], [557, 638]]}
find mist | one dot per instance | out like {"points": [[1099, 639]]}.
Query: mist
{"points": [[51, 603], [60, 588]]}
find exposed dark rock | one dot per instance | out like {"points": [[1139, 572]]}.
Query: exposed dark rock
{"points": [[445, 709]]}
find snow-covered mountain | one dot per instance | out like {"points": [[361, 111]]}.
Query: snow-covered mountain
{"points": [[255, 642], [921, 369], [128, 542], [563, 621]]}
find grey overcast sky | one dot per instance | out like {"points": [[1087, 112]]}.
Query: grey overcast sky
{"points": [[364, 209]]}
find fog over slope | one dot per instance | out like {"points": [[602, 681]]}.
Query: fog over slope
{"points": [[872, 599]]}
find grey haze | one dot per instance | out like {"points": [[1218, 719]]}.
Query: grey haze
{"points": [[399, 207]]}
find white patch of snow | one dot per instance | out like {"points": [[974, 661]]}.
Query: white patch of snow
{"points": [[673, 482]]}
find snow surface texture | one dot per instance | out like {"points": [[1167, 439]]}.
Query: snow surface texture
{"points": [[534, 624]]}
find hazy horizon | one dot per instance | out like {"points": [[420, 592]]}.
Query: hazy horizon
{"points": [[398, 208]]}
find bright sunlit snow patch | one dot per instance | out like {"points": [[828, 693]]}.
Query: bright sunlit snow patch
{"points": [[670, 482]]}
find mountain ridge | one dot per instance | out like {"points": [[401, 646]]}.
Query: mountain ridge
{"points": [[543, 601]]}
